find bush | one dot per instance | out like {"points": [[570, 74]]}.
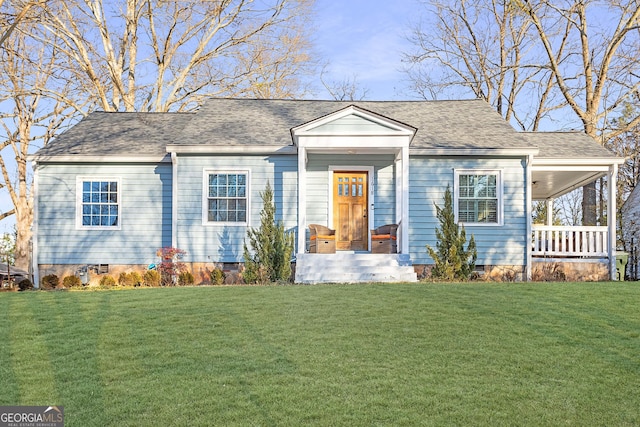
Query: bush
{"points": [[151, 278], [186, 279], [267, 254], [170, 267], [135, 278], [107, 281], [123, 279], [130, 279], [217, 276], [452, 261], [50, 281], [71, 282], [25, 284]]}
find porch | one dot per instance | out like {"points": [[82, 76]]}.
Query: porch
{"points": [[589, 252]]}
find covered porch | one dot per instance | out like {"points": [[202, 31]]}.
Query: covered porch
{"points": [[589, 252], [353, 177]]}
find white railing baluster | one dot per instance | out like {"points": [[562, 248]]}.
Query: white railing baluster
{"points": [[560, 241]]}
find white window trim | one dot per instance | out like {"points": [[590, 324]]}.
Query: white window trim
{"points": [[79, 181], [205, 197], [499, 191]]}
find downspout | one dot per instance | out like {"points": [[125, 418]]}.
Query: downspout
{"points": [[529, 219], [611, 220], [174, 200], [34, 229]]}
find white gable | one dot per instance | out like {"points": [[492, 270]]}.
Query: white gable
{"points": [[354, 124], [352, 128], [354, 121]]}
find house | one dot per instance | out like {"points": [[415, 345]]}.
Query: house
{"points": [[630, 221], [117, 186]]}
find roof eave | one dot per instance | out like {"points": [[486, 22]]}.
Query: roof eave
{"points": [[83, 158], [563, 161], [473, 151], [231, 149]]}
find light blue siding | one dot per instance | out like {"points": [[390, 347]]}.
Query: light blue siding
{"points": [[145, 215], [146, 206], [497, 245], [224, 243], [318, 186]]}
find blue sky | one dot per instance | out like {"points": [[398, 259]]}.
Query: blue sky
{"points": [[365, 39]]}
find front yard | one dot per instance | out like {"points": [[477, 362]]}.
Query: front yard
{"points": [[416, 354]]}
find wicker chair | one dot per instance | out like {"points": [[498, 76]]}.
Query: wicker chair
{"points": [[322, 239], [384, 239]]}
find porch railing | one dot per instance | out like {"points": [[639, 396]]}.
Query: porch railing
{"points": [[559, 241]]}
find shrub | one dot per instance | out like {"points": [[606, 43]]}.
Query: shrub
{"points": [[129, 279], [452, 261], [135, 278], [217, 276], [50, 281], [123, 279], [169, 267], [107, 281], [25, 284], [71, 282], [186, 279], [267, 257], [151, 278]]}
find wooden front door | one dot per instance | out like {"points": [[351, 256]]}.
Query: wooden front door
{"points": [[350, 210]]}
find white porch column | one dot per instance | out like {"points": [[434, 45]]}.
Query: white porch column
{"points": [[174, 200], [549, 203], [402, 197], [528, 207], [611, 218], [34, 231], [302, 199]]}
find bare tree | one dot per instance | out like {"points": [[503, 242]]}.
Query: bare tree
{"points": [[570, 208], [599, 70], [347, 89], [277, 70], [487, 49], [33, 111], [157, 55], [10, 18]]}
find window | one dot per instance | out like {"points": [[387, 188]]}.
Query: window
{"points": [[478, 197], [99, 203], [226, 197]]}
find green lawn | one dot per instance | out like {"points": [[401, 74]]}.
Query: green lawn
{"points": [[330, 355]]}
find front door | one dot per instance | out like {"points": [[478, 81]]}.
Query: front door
{"points": [[350, 210]]}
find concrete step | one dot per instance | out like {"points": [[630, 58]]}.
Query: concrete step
{"points": [[344, 267]]}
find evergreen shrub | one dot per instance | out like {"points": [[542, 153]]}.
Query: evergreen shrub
{"points": [[452, 260]]}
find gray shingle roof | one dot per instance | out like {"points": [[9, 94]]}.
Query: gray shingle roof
{"points": [[566, 145], [440, 124], [237, 122], [119, 134]]}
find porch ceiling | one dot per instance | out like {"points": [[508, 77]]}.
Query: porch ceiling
{"points": [[548, 184]]}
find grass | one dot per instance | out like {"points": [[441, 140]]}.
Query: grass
{"points": [[357, 355]]}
